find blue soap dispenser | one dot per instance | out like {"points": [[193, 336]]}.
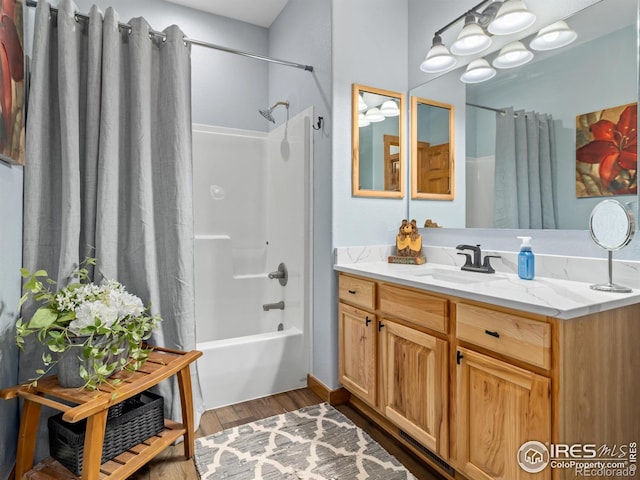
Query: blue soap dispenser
{"points": [[526, 260]]}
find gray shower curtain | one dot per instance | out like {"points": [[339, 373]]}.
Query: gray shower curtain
{"points": [[524, 170], [109, 166]]}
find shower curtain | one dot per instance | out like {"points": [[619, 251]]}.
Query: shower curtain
{"points": [[109, 166], [524, 170]]}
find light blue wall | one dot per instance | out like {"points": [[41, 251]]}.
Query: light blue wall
{"points": [[10, 260], [433, 124], [369, 48]]}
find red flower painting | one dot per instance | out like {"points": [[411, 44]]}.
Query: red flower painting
{"points": [[607, 152], [11, 82]]}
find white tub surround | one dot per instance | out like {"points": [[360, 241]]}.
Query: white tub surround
{"points": [[252, 201], [545, 295]]}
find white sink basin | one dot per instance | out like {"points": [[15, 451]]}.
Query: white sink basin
{"points": [[458, 276]]}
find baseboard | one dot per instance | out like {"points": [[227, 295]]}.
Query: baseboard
{"points": [[333, 397]]}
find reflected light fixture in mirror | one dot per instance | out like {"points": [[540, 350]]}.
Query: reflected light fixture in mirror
{"points": [[513, 55], [362, 121], [512, 17], [389, 109], [478, 71], [373, 115], [556, 35], [472, 39], [361, 105]]}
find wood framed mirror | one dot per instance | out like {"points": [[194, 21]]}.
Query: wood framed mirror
{"points": [[432, 150], [378, 157]]}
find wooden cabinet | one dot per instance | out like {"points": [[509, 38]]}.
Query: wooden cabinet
{"points": [[498, 408], [358, 352], [415, 382], [463, 384]]}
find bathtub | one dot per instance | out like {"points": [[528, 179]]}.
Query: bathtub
{"points": [[251, 367]]}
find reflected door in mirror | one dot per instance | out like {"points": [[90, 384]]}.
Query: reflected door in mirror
{"points": [[377, 153], [432, 159], [434, 168]]}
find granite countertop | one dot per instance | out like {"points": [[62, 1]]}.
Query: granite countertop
{"points": [[563, 299]]}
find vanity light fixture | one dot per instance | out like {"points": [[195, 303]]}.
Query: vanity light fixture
{"points": [[556, 35], [373, 115], [438, 58], [512, 17], [472, 39], [497, 17], [389, 109], [513, 55], [478, 71]]}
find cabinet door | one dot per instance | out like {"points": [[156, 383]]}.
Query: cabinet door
{"points": [[357, 356], [498, 408], [414, 365]]}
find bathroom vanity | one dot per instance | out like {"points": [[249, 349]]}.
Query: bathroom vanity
{"points": [[464, 368]]}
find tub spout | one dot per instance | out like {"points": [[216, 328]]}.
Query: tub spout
{"points": [[273, 306]]}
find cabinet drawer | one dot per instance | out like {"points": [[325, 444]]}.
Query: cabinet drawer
{"points": [[357, 291], [415, 307], [517, 337]]}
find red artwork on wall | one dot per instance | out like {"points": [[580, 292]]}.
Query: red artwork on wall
{"points": [[607, 152]]}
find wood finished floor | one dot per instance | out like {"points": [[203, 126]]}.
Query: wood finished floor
{"points": [[171, 464]]}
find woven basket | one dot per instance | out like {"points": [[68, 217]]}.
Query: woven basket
{"points": [[128, 424]]}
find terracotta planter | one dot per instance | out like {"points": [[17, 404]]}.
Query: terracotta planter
{"points": [[69, 364]]}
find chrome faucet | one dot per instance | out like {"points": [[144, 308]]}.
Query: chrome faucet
{"points": [[273, 306], [476, 265]]}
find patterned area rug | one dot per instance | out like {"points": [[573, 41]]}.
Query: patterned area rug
{"points": [[315, 443]]}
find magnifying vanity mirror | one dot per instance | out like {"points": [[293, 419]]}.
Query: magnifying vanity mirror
{"points": [[432, 150], [378, 157], [612, 226]]}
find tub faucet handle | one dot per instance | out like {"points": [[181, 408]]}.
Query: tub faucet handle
{"points": [[281, 274]]}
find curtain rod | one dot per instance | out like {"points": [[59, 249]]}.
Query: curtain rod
{"points": [[308, 68], [497, 110]]}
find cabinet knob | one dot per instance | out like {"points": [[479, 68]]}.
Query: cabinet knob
{"points": [[493, 334], [459, 357], [352, 292], [380, 325], [367, 321]]}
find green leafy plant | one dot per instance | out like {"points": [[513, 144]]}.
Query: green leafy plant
{"points": [[98, 321]]}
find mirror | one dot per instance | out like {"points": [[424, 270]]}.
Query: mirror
{"points": [[566, 84], [432, 150], [378, 158], [611, 226]]}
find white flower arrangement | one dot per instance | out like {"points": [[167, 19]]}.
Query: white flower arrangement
{"points": [[103, 320]]}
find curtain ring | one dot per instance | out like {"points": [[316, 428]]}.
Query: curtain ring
{"points": [[76, 18]]}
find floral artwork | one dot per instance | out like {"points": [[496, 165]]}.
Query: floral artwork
{"points": [[12, 89], [607, 152]]}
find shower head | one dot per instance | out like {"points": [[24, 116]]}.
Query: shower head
{"points": [[267, 112]]}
